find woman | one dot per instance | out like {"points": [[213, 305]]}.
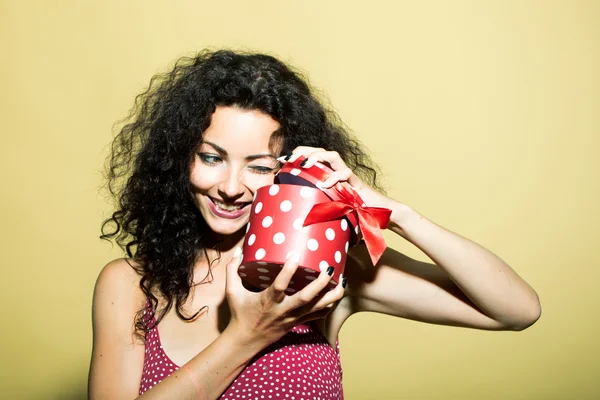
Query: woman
{"points": [[202, 140]]}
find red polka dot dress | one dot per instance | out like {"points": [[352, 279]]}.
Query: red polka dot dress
{"points": [[299, 366]]}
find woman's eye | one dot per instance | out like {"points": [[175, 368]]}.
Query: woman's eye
{"points": [[209, 159], [262, 170]]}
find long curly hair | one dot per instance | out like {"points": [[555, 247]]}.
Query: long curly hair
{"points": [[156, 221]]}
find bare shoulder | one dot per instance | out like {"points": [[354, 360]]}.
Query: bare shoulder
{"points": [[117, 354], [117, 295], [118, 277]]}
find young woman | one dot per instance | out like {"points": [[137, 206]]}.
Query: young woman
{"points": [[174, 321]]}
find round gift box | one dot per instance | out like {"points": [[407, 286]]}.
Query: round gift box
{"points": [[275, 233]]}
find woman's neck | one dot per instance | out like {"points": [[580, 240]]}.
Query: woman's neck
{"points": [[222, 247], [227, 243]]}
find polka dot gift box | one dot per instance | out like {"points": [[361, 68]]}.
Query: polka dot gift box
{"points": [[297, 218]]}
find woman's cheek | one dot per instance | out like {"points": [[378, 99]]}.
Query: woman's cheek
{"points": [[204, 177], [257, 181]]}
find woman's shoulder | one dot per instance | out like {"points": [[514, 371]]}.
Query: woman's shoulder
{"points": [[119, 284], [118, 352], [121, 272]]}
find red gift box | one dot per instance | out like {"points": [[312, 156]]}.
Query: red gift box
{"points": [[296, 217]]}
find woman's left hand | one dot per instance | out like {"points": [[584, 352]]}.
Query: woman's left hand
{"points": [[341, 173]]}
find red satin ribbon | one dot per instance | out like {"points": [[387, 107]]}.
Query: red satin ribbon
{"points": [[370, 219]]}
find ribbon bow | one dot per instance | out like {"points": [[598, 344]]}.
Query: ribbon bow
{"points": [[370, 219]]}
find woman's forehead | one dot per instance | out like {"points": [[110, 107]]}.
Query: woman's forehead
{"points": [[237, 130]]}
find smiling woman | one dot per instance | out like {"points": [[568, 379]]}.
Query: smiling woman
{"points": [[200, 143], [234, 160]]}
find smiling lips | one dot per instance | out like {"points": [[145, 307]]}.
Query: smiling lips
{"points": [[227, 210]]}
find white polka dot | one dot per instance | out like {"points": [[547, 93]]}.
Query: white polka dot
{"points": [[264, 278], [344, 224], [258, 207], [243, 275], [248, 227], [264, 285], [310, 270], [261, 263], [346, 247], [273, 190], [337, 256], [298, 223], [306, 192], [263, 270], [293, 255], [289, 290], [251, 239], [330, 234], [356, 229], [323, 265], [319, 184], [260, 254], [279, 238], [285, 206], [312, 244], [267, 221], [310, 277], [242, 267], [295, 172]]}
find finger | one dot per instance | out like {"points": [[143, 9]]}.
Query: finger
{"points": [[282, 280], [330, 298], [342, 175], [232, 278], [333, 158], [285, 158], [310, 291], [327, 300], [305, 151]]}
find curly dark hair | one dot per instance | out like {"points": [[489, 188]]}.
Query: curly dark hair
{"points": [[156, 221]]}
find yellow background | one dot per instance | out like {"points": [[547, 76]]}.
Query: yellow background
{"points": [[484, 116]]}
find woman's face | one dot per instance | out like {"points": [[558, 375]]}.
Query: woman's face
{"points": [[232, 162]]}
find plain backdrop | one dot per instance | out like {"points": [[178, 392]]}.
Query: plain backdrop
{"points": [[483, 115]]}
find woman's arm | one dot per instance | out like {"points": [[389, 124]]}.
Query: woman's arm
{"points": [[482, 276], [467, 286]]}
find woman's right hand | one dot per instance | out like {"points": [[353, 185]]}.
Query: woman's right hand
{"points": [[268, 315]]}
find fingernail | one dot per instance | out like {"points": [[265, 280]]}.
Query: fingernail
{"points": [[293, 157], [237, 251], [330, 270], [303, 163], [287, 158], [344, 282], [282, 158]]}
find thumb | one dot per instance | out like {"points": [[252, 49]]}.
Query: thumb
{"points": [[233, 279]]}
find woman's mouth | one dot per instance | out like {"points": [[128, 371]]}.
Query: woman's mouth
{"points": [[227, 210]]}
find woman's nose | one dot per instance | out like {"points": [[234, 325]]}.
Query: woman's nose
{"points": [[232, 186]]}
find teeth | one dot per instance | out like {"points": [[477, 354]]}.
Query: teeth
{"points": [[228, 207]]}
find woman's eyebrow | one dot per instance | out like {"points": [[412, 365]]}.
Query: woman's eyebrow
{"points": [[257, 156], [252, 157]]}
